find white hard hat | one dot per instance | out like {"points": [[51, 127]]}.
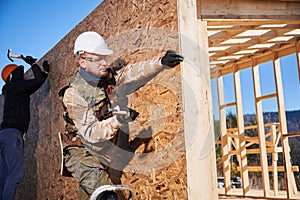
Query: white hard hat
{"points": [[91, 42]]}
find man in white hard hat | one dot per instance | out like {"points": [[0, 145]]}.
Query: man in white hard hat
{"points": [[91, 120]]}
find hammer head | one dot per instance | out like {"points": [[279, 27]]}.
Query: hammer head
{"points": [[9, 55]]}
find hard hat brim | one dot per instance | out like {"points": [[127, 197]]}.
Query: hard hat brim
{"points": [[104, 52]]}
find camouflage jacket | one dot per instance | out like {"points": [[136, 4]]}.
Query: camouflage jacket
{"points": [[81, 100]]}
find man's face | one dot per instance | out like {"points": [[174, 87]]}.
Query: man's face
{"points": [[94, 64]]}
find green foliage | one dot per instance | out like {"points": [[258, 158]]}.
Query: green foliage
{"points": [[231, 121]]}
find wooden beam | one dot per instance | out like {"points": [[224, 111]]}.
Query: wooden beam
{"points": [[253, 126], [261, 131], [227, 105], [225, 140], [244, 9], [290, 179], [270, 168], [274, 161], [241, 143], [253, 40], [268, 96], [266, 56], [229, 28], [280, 0], [248, 22], [198, 131], [257, 151], [297, 47], [296, 134]]}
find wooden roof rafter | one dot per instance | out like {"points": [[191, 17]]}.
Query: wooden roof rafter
{"points": [[240, 31]]}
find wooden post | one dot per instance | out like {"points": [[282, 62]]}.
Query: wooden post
{"points": [[290, 180], [225, 140], [297, 46], [241, 133], [261, 131], [274, 159], [197, 104]]}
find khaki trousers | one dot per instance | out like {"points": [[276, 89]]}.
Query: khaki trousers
{"points": [[86, 169]]}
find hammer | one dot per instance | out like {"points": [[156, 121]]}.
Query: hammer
{"points": [[10, 55]]}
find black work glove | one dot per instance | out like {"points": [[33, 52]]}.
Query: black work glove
{"points": [[46, 66], [130, 117], [117, 65], [29, 59], [171, 58], [133, 114]]}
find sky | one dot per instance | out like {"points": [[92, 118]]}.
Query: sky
{"points": [[32, 27], [290, 80]]}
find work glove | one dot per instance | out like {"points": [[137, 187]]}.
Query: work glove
{"points": [[29, 59], [129, 117], [171, 59], [46, 66], [117, 65]]}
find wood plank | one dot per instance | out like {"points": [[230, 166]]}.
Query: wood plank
{"points": [[196, 88], [224, 138], [268, 96], [241, 143], [280, 0], [229, 27], [252, 40], [250, 151], [243, 9], [253, 126], [257, 151], [296, 134], [261, 131], [297, 47], [257, 58], [290, 179], [227, 105], [233, 135], [234, 27], [270, 168], [274, 161], [248, 22]]}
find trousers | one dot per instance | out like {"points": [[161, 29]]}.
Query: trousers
{"points": [[11, 162], [86, 169]]}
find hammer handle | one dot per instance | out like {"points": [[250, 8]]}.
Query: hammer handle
{"points": [[119, 112], [15, 56]]}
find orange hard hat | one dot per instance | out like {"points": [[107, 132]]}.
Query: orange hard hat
{"points": [[8, 69]]}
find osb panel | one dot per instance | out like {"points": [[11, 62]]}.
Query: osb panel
{"points": [[155, 167], [159, 161]]}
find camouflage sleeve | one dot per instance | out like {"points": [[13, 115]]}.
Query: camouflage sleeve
{"points": [[85, 120], [138, 71]]}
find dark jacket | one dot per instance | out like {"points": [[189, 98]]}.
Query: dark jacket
{"points": [[16, 112]]}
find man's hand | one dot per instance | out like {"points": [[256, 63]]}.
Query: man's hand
{"points": [[171, 59], [29, 59], [46, 66]]}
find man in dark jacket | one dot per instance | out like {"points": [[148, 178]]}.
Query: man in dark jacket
{"points": [[16, 117]]}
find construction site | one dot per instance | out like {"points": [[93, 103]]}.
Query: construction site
{"points": [[173, 149]]}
